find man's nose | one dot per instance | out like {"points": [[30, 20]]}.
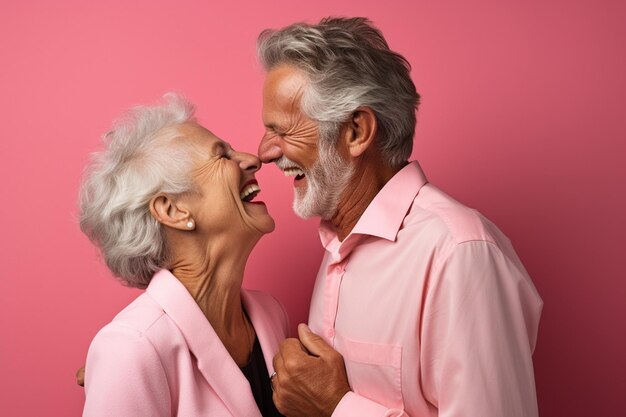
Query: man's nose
{"points": [[269, 149]]}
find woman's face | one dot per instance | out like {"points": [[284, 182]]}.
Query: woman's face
{"points": [[224, 201]]}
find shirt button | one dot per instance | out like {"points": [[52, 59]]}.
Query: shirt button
{"points": [[339, 269], [331, 333]]}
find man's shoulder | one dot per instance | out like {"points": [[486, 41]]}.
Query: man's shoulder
{"points": [[437, 213]]}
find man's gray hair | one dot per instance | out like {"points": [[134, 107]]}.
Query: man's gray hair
{"points": [[349, 65], [138, 162]]}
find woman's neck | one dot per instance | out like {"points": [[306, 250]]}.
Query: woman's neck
{"points": [[213, 275]]}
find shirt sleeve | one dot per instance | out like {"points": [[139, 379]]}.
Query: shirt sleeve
{"points": [[124, 376], [353, 404], [478, 333]]}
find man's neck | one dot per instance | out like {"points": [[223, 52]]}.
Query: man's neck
{"points": [[370, 176]]}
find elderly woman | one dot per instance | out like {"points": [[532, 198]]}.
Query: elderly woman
{"points": [[172, 208]]}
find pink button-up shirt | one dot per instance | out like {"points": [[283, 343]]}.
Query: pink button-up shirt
{"points": [[430, 307]]}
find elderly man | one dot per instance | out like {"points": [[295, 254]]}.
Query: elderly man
{"points": [[421, 306]]}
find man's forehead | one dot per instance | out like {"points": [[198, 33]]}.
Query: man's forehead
{"points": [[283, 83]]}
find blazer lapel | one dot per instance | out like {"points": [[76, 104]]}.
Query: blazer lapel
{"points": [[265, 327], [214, 361]]}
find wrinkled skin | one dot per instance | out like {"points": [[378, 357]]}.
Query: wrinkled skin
{"points": [[310, 376]]}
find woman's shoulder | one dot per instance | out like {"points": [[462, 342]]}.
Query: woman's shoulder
{"points": [[124, 365], [140, 315], [136, 325]]}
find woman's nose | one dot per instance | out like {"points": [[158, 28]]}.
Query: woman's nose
{"points": [[248, 162]]}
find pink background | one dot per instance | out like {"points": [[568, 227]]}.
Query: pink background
{"points": [[522, 118]]}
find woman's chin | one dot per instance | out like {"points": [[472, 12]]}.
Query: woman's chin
{"points": [[260, 217], [271, 227], [266, 226]]}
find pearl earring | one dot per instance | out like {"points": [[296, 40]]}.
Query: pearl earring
{"points": [[190, 224]]}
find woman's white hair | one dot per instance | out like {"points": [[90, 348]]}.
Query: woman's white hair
{"points": [[349, 65], [139, 161]]}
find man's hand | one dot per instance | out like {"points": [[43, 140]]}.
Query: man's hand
{"points": [[310, 376], [80, 377]]}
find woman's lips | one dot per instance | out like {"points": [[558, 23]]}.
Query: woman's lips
{"points": [[249, 191]]}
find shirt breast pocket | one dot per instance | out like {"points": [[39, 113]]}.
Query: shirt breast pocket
{"points": [[374, 370]]}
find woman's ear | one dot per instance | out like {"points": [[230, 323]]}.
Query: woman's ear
{"points": [[171, 213], [359, 131]]}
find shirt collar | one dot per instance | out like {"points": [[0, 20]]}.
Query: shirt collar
{"points": [[384, 215]]}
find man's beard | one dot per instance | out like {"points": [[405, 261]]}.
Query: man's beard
{"points": [[326, 181]]}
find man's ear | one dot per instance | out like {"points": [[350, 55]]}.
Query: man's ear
{"points": [[359, 131], [171, 213]]}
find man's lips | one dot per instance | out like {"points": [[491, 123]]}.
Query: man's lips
{"points": [[249, 191]]}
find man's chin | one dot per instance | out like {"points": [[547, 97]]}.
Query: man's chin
{"points": [[308, 211], [301, 211], [312, 200]]}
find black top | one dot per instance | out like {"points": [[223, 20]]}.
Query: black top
{"points": [[256, 373]]}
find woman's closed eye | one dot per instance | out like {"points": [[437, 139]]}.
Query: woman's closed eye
{"points": [[223, 151]]}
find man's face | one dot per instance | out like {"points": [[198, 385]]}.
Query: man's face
{"points": [[292, 142]]}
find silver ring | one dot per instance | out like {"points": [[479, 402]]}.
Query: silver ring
{"points": [[272, 380]]}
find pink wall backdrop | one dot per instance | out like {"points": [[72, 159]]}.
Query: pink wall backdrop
{"points": [[522, 118]]}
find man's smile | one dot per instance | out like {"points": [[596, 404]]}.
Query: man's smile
{"points": [[294, 172], [290, 169]]}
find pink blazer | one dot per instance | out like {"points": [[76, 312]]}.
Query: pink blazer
{"points": [[161, 357]]}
